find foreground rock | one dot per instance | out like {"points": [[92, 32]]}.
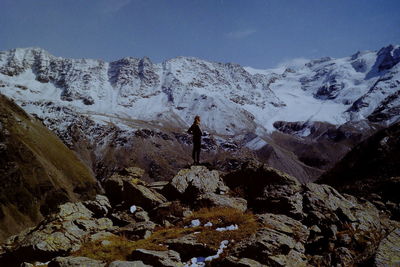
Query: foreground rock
{"points": [[75, 262], [267, 189], [188, 184], [58, 235], [168, 258], [297, 225], [126, 187], [388, 253], [128, 264], [279, 242]]}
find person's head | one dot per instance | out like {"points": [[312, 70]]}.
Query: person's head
{"points": [[197, 119]]}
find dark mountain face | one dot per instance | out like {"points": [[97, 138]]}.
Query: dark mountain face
{"points": [[372, 167], [37, 171]]}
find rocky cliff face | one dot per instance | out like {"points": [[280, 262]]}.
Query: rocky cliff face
{"points": [[254, 216], [38, 172]]}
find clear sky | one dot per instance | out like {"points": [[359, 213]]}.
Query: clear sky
{"points": [[257, 33]]}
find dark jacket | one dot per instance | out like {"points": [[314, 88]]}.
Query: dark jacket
{"points": [[196, 132]]}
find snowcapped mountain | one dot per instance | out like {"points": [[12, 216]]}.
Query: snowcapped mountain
{"points": [[239, 105], [230, 98]]}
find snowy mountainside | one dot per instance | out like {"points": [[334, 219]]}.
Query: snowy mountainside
{"points": [[169, 93], [106, 110], [231, 99]]}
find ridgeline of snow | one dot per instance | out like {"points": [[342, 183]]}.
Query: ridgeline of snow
{"points": [[229, 98]]}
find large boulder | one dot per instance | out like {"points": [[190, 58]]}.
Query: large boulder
{"points": [[188, 184], [154, 258], [139, 194], [280, 241], [267, 189], [114, 185], [127, 187], [100, 206], [58, 235]]}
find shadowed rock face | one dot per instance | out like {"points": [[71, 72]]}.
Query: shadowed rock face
{"points": [[37, 171], [371, 169]]}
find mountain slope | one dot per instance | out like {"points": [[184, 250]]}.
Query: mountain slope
{"points": [[37, 171], [104, 109], [373, 166]]}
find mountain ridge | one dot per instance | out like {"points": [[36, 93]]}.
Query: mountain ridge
{"points": [[102, 102]]}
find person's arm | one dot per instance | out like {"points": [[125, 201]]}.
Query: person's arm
{"points": [[200, 132], [190, 131]]}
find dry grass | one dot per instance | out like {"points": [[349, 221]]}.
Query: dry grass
{"points": [[222, 217], [120, 248]]}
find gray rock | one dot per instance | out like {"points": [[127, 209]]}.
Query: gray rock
{"points": [[138, 194], [100, 206], [189, 183], [58, 234], [286, 225], [280, 242], [345, 221], [267, 189], [388, 253], [128, 264], [187, 247], [154, 258], [114, 185], [75, 262]]}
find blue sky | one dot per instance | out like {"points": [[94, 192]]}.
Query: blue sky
{"points": [[257, 33]]}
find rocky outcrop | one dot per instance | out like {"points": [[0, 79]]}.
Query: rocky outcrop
{"points": [[267, 189], [190, 183], [280, 241], [59, 234]]}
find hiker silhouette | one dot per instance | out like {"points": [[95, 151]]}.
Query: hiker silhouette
{"points": [[196, 132]]}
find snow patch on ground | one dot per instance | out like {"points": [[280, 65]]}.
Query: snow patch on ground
{"points": [[231, 227], [201, 261]]}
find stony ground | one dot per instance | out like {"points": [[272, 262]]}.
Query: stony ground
{"points": [[256, 216]]}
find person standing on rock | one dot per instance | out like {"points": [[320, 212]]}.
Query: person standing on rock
{"points": [[196, 132]]}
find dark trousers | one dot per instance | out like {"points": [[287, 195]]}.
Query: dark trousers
{"points": [[196, 152]]}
